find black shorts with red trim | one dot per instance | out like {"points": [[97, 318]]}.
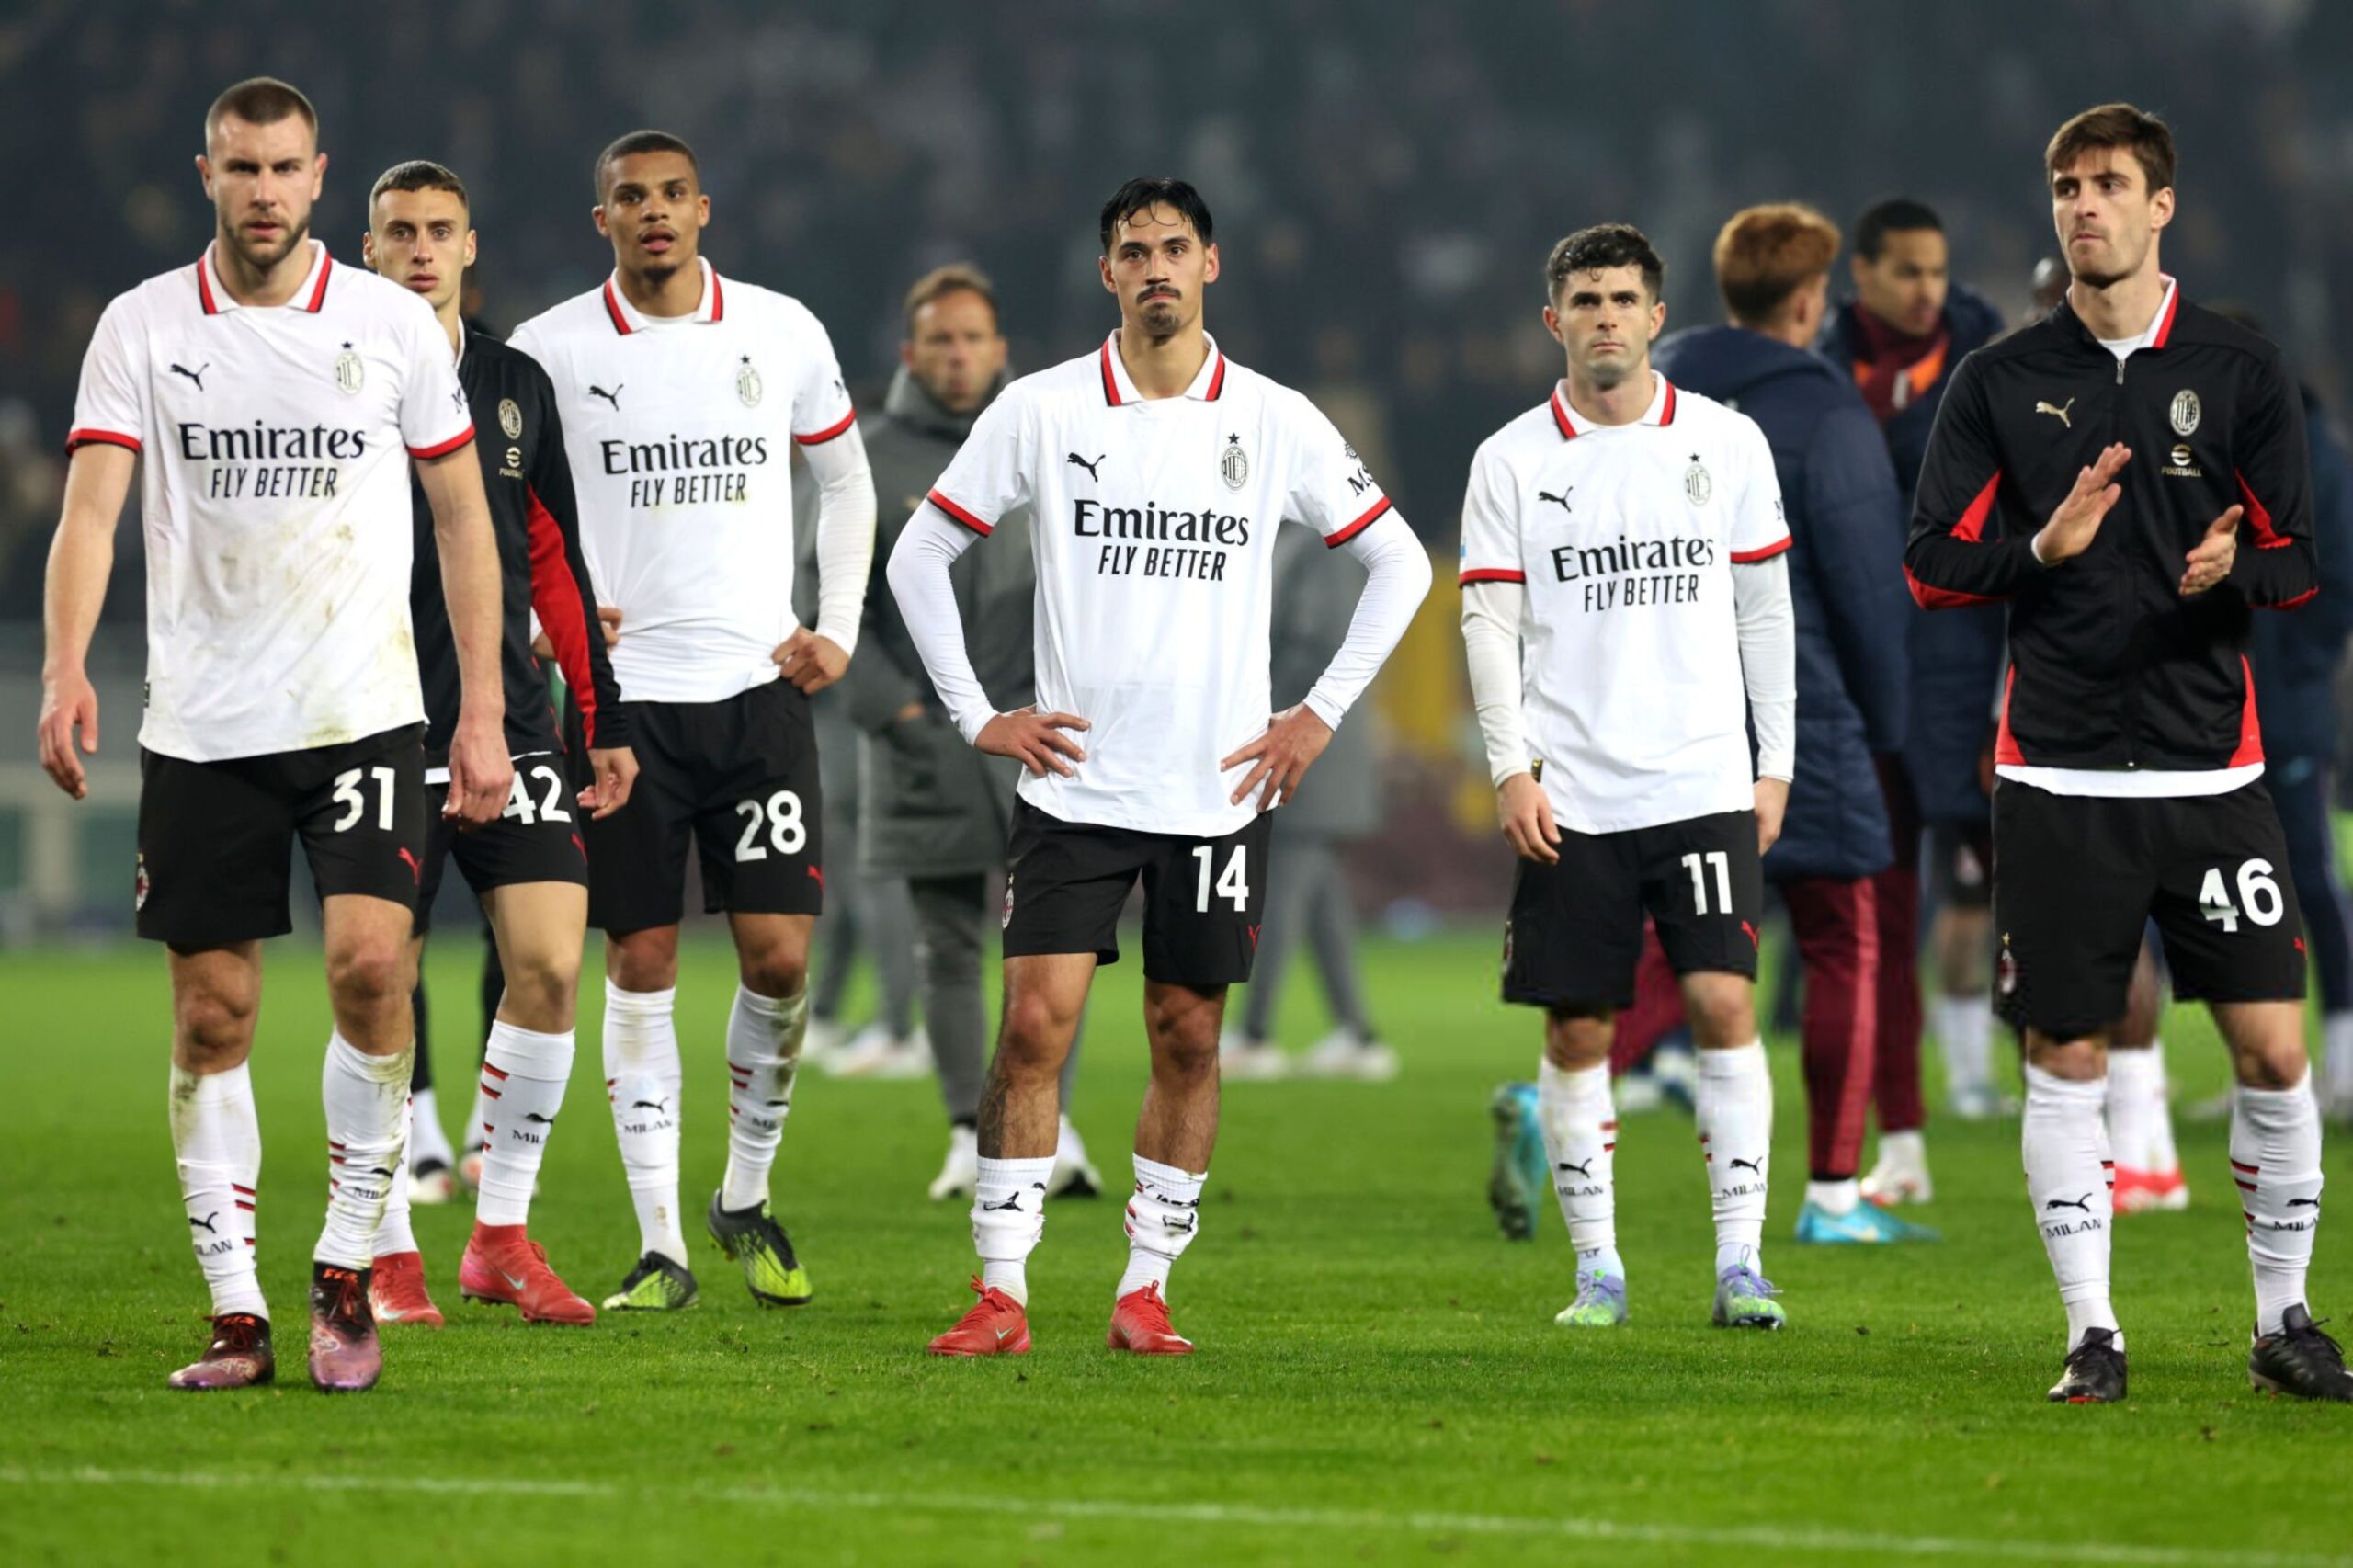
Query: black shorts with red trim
{"points": [[1204, 899], [2077, 877], [536, 839], [1574, 935], [740, 778], [216, 839]]}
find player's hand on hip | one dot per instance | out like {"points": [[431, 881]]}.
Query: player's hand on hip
{"points": [[68, 703], [810, 661], [1528, 820], [2076, 522], [2215, 555], [1033, 739], [1294, 739], [481, 773], [613, 774], [1772, 804], [608, 621]]}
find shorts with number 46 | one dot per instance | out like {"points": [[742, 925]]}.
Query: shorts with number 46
{"points": [[739, 776], [2077, 878]]}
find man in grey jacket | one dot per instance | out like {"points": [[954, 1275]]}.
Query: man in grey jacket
{"points": [[931, 809], [1340, 801]]}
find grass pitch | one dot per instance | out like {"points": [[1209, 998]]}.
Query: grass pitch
{"points": [[1378, 1380]]}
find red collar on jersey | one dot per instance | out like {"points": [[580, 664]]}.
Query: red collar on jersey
{"points": [[217, 301], [713, 307], [1661, 407], [1206, 386]]}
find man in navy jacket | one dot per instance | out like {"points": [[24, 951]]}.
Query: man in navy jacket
{"points": [[1902, 336], [1845, 583]]}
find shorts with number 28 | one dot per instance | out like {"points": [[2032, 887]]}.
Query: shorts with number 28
{"points": [[740, 776]]}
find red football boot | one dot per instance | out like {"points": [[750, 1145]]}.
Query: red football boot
{"points": [[1139, 1323], [995, 1326], [345, 1356], [396, 1292], [504, 1266], [2149, 1192]]}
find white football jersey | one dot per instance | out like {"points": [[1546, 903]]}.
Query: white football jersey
{"points": [[275, 499], [680, 432], [1626, 537], [1153, 525]]}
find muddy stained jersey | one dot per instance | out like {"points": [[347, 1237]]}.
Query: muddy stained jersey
{"points": [[1154, 523], [680, 432], [274, 499], [1625, 537]]}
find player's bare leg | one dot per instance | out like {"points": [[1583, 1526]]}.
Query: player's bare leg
{"points": [[2274, 1158], [1580, 1124], [1045, 995], [216, 993], [1734, 1112], [642, 1079], [1175, 1134], [365, 1086], [765, 1030], [525, 1066]]}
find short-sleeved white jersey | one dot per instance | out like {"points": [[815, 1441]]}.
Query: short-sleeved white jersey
{"points": [[1626, 537], [275, 499], [680, 433], [1153, 523]]}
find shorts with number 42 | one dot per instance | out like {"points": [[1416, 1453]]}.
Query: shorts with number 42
{"points": [[216, 839], [740, 775], [1203, 898], [2077, 878]]}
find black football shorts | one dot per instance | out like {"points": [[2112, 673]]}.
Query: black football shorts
{"points": [[1204, 899], [1574, 933], [536, 839], [2077, 878], [216, 839]]}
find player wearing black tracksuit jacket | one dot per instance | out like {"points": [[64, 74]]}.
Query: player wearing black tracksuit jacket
{"points": [[541, 571]]}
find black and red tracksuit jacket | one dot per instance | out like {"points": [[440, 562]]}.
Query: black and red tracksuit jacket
{"points": [[2110, 667], [528, 481]]}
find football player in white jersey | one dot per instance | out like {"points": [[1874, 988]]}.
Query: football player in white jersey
{"points": [[1155, 473], [268, 395], [682, 395], [1626, 613]]}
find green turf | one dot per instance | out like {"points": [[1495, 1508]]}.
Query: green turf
{"points": [[1379, 1382]]}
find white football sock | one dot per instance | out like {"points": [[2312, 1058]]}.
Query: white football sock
{"points": [[523, 1078], [1965, 1031], [2275, 1156], [2336, 1059], [764, 1036], [1008, 1218], [394, 1232], [643, 1078], [367, 1105], [1735, 1120], [426, 1140], [2135, 1093], [1580, 1126], [1835, 1196], [2068, 1174], [1905, 1151], [1161, 1220], [216, 1138]]}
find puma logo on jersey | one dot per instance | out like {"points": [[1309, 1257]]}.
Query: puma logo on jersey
{"points": [[1560, 500], [613, 397], [1089, 467], [196, 375], [2058, 412]]}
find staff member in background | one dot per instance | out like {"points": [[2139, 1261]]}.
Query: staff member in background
{"points": [[1907, 328], [1340, 801], [1847, 587], [932, 810]]}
